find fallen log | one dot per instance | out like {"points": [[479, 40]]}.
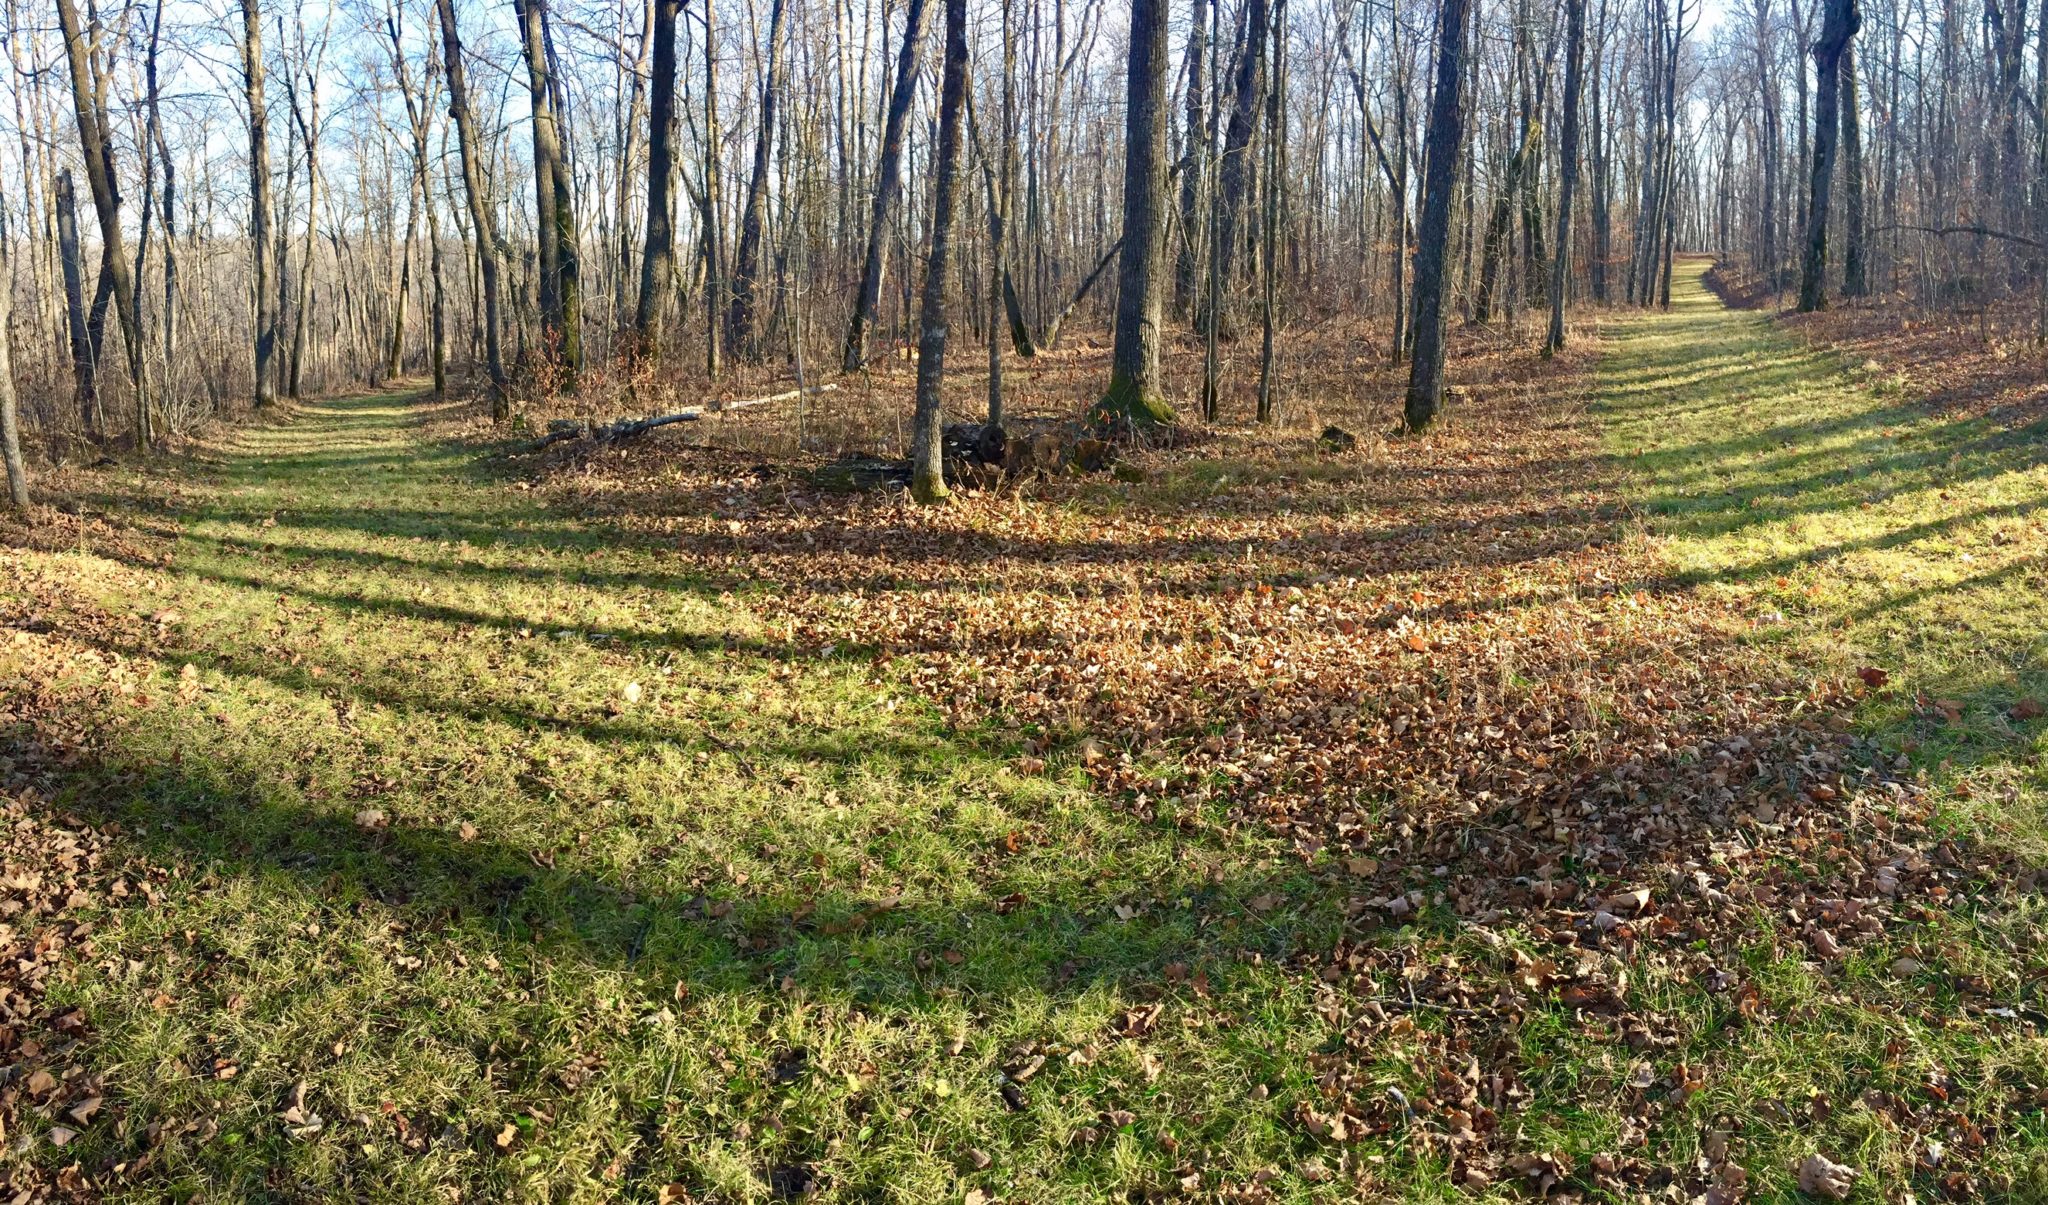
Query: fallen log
{"points": [[627, 428]]}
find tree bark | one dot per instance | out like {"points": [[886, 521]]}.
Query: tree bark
{"points": [[1445, 139], [740, 316], [714, 222], [1568, 167], [418, 113], [561, 273], [1276, 167], [1133, 396], [657, 261], [83, 329], [89, 103], [10, 414], [259, 204], [1234, 173], [1194, 165], [1855, 265], [927, 472]]}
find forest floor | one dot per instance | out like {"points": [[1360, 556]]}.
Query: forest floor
{"points": [[1631, 799]]}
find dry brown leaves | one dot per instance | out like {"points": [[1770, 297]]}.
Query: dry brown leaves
{"points": [[1985, 361], [54, 871], [1440, 661], [1348, 650]]}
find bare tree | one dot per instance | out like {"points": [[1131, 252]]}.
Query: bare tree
{"points": [[561, 274], [888, 184], [1838, 26], [1855, 260], [928, 477], [1568, 168], [89, 104], [1133, 395], [419, 104], [740, 314], [657, 262], [481, 220], [1445, 143], [10, 413]]}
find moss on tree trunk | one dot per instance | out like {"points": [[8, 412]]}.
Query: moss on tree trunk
{"points": [[1132, 403]]}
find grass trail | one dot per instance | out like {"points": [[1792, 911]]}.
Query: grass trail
{"points": [[1856, 525]]}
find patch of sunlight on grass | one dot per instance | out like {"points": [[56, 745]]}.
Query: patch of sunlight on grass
{"points": [[1855, 527], [480, 816], [1858, 528]]}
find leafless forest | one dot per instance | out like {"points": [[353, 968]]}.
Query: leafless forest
{"points": [[208, 208]]}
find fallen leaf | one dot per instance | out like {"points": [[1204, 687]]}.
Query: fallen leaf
{"points": [[1820, 1176]]}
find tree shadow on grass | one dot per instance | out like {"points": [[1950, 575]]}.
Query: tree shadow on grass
{"points": [[979, 943]]}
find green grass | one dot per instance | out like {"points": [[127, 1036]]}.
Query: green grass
{"points": [[1857, 527], [774, 920], [664, 953]]}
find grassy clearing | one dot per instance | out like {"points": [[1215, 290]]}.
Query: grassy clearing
{"points": [[545, 840], [747, 927]]}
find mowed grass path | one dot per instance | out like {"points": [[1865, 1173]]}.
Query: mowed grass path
{"points": [[552, 873], [1858, 527]]}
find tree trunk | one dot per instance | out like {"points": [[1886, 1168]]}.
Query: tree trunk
{"points": [[714, 223], [740, 316], [1194, 165], [401, 287], [1234, 174], [927, 472], [1133, 396], [89, 103], [1838, 26], [1855, 266], [259, 203], [1446, 137], [418, 110], [309, 133], [888, 184], [1603, 237], [657, 262], [1772, 149], [561, 294], [84, 333], [1575, 36], [481, 222], [10, 415], [1276, 142]]}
